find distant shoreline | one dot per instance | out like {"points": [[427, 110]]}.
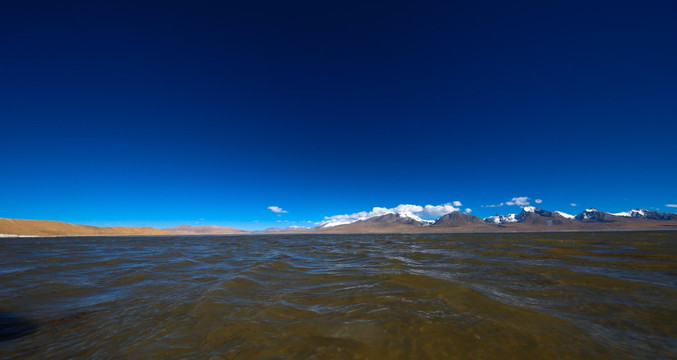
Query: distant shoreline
{"points": [[533, 221], [252, 234]]}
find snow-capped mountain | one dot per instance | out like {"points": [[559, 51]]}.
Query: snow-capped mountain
{"points": [[533, 216], [501, 219], [374, 214], [526, 211], [646, 214], [397, 218], [564, 215], [530, 218], [389, 218], [593, 215], [631, 213]]}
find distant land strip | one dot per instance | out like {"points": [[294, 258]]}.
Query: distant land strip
{"points": [[530, 219]]}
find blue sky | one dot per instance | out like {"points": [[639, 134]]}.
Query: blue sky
{"points": [[165, 113]]}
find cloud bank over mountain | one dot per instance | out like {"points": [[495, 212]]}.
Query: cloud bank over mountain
{"points": [[417, 212]]}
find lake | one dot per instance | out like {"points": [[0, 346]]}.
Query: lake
{"points": [[558, 295]]}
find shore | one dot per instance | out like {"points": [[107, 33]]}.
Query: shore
{"points": [[10, 228]]}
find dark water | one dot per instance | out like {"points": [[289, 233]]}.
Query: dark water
{"points": [[609, 295]]}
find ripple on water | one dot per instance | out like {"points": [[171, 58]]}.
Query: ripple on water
{"points": [[451, 296]]}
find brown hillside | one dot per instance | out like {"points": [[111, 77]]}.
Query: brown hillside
{"points": [[54, 228]]}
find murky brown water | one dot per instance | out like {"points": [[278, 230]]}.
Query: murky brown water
{"points": [[599, 295]]}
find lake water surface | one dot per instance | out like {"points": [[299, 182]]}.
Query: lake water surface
{"points": [[562, 295]]}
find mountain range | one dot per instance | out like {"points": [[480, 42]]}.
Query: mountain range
{"points": [[529, 219], [203, 230]]}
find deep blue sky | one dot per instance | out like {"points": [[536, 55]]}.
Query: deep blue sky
{"points": [[162, 113]]}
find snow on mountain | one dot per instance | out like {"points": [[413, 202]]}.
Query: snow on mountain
{"points": [[564, 215], [638, 213], [501, 219], [589, 214], [592, 215], [396, 219], [415, 217], [403, 210], [635, 213], [528, 210], [422, 215], [337, 222], [646, 214]]}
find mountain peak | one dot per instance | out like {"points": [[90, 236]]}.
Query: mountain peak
{"points": [[381, 216], [646, 214], [535, 216], [456, 219], [396, 218], [565, 215], [592, 215], [501, 219]]}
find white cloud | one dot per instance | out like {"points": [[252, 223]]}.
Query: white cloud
{"points": [[351, 218], [493, 205], [468, 210], [573, 204], [408, 210], [519, 201], [457, 203], [671, 205], [277, 209], [439, 210]]}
